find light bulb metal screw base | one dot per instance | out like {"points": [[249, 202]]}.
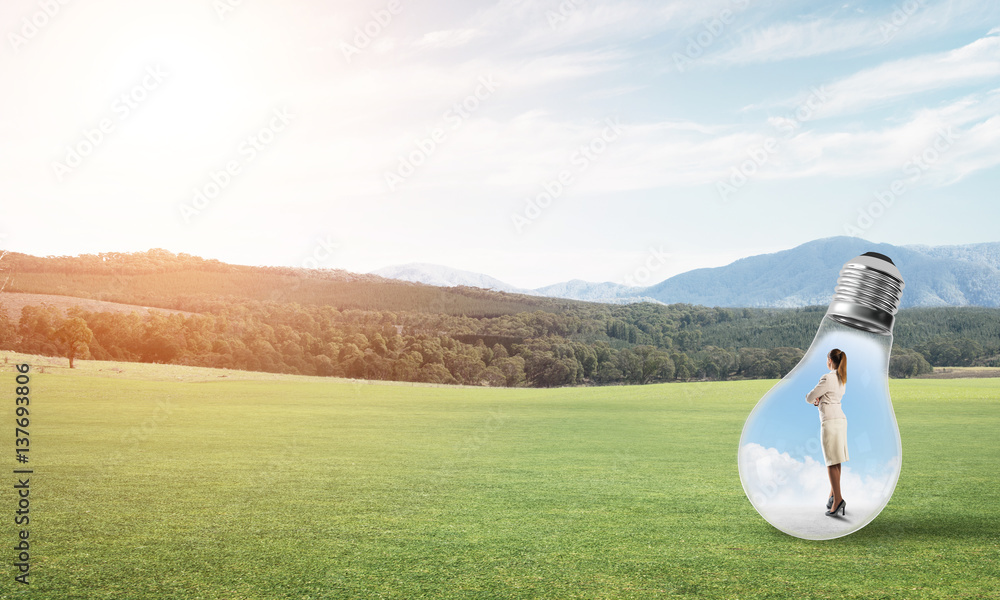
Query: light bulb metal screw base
{"points": [[868, 293]]}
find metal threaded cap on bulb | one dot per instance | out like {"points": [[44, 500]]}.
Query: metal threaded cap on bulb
{"points": [[868, 293]]}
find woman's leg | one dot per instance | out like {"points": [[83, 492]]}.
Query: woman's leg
{"points": [[834, 472]]}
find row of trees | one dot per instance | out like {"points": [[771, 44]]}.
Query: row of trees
{"points": [[528, 349], [360, 344]]}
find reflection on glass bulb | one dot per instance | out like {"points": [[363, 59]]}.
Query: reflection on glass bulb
{"points": [[781, 455]]}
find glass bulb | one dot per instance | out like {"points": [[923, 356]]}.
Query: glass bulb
{"points": [[781, 458]]}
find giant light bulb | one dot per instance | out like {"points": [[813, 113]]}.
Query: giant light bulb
{"points": [[781, 461]]}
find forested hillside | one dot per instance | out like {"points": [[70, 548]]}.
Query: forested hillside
{"points": [[333, 323], [162, 279]]}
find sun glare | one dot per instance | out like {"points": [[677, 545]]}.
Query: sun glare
{"points": [[191, 81]]}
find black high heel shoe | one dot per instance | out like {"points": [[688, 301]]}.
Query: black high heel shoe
{"points": [[829, 503], [841, 508]]}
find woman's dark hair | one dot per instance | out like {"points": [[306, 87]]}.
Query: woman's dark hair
{"points": [[839, 359]]}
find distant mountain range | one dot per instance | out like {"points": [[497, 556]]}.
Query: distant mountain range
{"points": [[966, 275], [577, 289], [607, 292], [448, 277]]}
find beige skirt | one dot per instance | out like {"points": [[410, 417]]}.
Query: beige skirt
{"points": [[833, 435]]}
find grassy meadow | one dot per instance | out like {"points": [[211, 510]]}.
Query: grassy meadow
{"points": [[166, 482]]}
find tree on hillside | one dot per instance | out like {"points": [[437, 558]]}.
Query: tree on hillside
{"points": [[159, 349], [8, 331], [545, 370], [37, 327], [436, 373], [512, 369], [908, 363], [74, 335], [6, 279]]}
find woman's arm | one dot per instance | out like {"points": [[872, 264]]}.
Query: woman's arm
{"points": [[817, 392]]}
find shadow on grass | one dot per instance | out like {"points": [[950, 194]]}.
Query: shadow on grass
{"points": [[890, 529], [930, 524]]}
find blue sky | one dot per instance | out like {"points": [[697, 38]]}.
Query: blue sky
{"points": [[533, 141], [791, 425]]}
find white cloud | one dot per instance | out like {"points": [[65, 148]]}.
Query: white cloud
{"points": [[516, 153], [526, 26], [799, 40], [775, 479], [973, 63], [819, 36], [449, 38], [976, 150]]}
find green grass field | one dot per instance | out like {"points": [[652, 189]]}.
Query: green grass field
{"points": [[172, 482]]}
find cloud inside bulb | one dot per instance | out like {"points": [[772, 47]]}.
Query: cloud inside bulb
{"points": [[775, 479]]}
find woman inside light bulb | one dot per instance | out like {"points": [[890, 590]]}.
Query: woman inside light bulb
{"points": [[833, 424]]}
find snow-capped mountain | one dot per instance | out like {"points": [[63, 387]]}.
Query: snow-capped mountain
{"points": [[448, 277], [965, 275]]}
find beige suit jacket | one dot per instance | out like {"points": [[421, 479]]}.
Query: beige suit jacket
{"points": [[829, 392]]}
